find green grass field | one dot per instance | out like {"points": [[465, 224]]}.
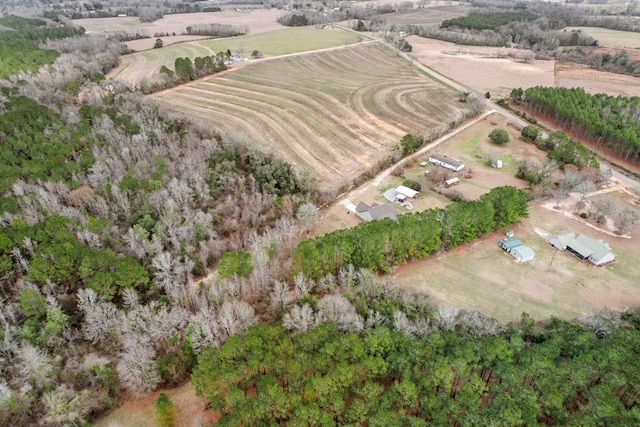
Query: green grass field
{"points": [[611, 38], [283, 42]]}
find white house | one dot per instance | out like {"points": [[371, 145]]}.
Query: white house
{"points": [[446, 162], [406, 191]]}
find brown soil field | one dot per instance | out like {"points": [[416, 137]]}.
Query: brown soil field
{"points": [[258, 21], [593, 81], [480, 69], [336, 113]]}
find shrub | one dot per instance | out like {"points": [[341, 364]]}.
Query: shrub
{"points": [[414, 185], [499, 136], [530, 133]]}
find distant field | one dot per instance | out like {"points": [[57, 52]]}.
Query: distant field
{"points": [[611, 38], [427, 15], [257, 20], [336, 112], [133, 68]]}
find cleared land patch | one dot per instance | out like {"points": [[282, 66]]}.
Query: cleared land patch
{"points": [[337, 112], [137, 66]]}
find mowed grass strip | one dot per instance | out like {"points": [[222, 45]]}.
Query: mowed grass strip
{"points": [[336, 112]]}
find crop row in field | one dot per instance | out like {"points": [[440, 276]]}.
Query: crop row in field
{"points": [[336, 112]]}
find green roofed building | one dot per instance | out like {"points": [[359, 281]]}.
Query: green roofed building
{"points": [[517, 249], [508, 244]]}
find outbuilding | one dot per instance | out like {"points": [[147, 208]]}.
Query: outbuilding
{"points": [[522, 253], [452, 181]]}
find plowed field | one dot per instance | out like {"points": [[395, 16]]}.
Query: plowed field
{"points": [[337, 112]]}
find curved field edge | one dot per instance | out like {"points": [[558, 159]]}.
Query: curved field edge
{"points": [[137, 66], [337, 113]]}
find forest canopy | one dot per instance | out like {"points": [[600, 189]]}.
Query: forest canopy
{"points": [[19, 43]]}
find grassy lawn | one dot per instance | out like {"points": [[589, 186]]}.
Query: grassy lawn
{"points": [[611, 38], [480, 276], [282, 42]]}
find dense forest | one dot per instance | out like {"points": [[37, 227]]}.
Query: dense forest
{"points": [[611, 122], [563, 374], [135, 245]]}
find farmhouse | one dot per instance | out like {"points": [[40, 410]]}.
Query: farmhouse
{"points": [[560, 241], [446, 162], [375, 211], [517, 249], [595, 251]]}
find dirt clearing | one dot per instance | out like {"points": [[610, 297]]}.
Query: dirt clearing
{"points": [[141, 412]]}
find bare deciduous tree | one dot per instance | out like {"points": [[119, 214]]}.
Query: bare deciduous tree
{"points": [[301, 318], [64, 406], [137, 369], [447, 317], [338, 309], [236, 316], [307, 215]]}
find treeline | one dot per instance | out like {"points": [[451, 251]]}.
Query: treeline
{"points": [[611, 122], [185, 70], [618, 62], [488, 21], [536, 35], [381, 245], [143, 10], [316, 16], [19, 44], [558, 373], [217, 30]]}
